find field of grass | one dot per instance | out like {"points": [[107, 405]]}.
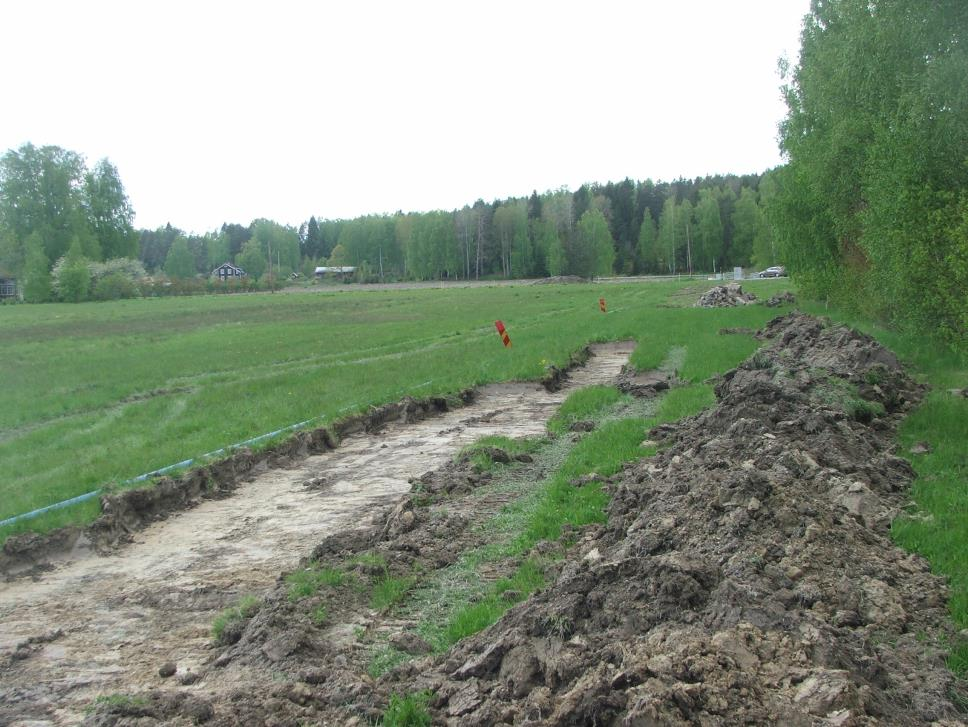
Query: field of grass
{"points": [[97, 393]]}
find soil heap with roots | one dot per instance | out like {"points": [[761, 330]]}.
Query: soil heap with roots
{"points": [[745, 575]]}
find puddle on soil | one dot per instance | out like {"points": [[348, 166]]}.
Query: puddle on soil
{"points": [[124, 615]]}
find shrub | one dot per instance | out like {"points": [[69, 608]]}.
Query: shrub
{"points": [[115, 286]]}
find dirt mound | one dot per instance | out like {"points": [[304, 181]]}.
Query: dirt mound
{"points": [[555, 376], [725, 296], [645, 383], [776, 301], [128, 511], [745, 575]]}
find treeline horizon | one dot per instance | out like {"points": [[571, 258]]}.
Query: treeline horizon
{"points": [[66, 231], [706, 224]]}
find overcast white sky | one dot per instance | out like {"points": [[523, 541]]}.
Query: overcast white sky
{"points": [[228, 111]]}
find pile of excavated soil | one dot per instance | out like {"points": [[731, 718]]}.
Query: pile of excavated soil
{"points": [[775, 301], [725, 296], [745, 575]]}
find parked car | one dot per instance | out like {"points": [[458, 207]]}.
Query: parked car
{"points": [[777, 271]]}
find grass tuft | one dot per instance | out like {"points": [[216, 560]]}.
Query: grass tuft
{"points": [[480, 455], [474, 617], [409, 711], [583, 404], [390, 591], [319, 615], [306, 582], [384, 659], [247, 607]]}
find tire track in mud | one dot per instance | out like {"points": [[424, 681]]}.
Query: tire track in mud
{"points": [[104, 625]]}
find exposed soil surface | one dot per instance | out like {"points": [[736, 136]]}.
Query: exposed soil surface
{"points": [[100, 625]]}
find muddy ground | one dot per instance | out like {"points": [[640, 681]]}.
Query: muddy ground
{"points": [[745, 575], [101, 620]]}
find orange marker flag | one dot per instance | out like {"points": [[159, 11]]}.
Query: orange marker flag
{"points": [[503, 333], [601, 304]]}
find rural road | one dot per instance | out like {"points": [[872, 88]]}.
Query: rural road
{"points": [[121, 617]]}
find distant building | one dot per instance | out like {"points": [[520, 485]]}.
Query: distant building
{"points": [[340, 270], [228, 271], [8, 286]]}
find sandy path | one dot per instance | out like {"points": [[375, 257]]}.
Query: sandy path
{"points": [[123, 616]]}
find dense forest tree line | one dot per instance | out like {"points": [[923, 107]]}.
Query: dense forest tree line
{"points": [[56, 218], [871, 209]]}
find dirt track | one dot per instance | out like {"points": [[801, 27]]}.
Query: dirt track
{"points": [[123, 616]]}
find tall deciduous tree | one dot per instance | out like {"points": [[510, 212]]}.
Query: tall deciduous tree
{"points": [[36, 271], [645, 249], [868, 207], [709, 232], [747, 224], [251, 259], [180, 263], [595, 248], [109, 212], [49, 191]]}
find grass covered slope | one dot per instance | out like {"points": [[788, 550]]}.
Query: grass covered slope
{"points": [[101, 392]]}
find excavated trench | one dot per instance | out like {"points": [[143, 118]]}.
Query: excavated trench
{"points": [[100, 625]]}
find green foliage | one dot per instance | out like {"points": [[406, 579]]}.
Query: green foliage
{"points": [[307, 581], [389, 591], [602, 451], [114, 286], [594, 252], [217, 251], [938, 527], [319, 615], [90, 206], [481, 458], [748, 223], [645, 249], [109, 213], [709, 237], [371, 560], [409, 711], [117, 700], [869, 211], [72, 279], [37, 280], [179, 263], [582, 404], [252, 260], [385, 658], [247, 607], [474, 617]]}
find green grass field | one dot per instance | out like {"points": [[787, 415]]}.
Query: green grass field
{"points": [[94, 394], [97, 393]]}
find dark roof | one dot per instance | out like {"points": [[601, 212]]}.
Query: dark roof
{"points": [[229, 265]]}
